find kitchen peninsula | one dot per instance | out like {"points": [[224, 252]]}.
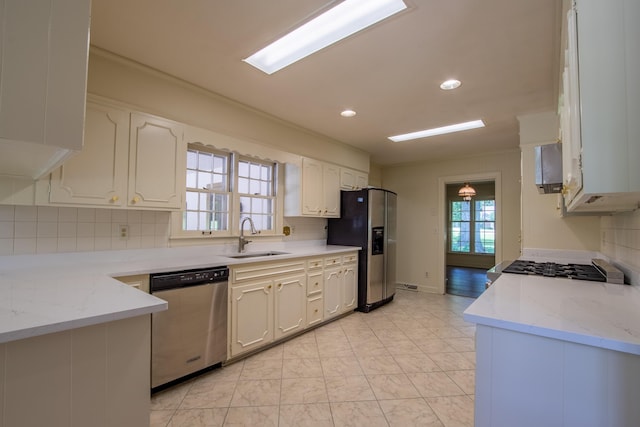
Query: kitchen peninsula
{"points": [[75, 342], [556, 352]]}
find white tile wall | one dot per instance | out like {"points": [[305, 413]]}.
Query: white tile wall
{"points": [[620, 241], [306, 228], [45, 229]]}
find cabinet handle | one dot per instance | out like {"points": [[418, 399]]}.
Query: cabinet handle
{"points": [[114, 199], [279, 285], [135, 199], [316, 284], [269, 287], [315, 311]]}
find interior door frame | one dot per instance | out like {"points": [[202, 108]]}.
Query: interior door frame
{"points": [[496, 177]]}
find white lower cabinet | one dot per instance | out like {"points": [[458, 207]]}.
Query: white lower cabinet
{"points": [[251, 316], [269, 301], [315, 287], [340, 285], [332, 288], [291, 305], [350, 287]]}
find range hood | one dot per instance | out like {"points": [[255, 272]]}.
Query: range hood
{"points": [[549, 168]]}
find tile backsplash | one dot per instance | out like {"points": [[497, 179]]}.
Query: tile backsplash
{"points": [[45, 229], [620, 241]]}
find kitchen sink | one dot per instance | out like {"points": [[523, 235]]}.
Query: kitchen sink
{"points": [[257, 254]]}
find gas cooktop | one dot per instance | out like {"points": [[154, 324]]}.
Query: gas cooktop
{"points": [[552, 269]]}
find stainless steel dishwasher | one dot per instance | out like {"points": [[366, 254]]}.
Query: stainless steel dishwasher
{"points": [[191, 335]]}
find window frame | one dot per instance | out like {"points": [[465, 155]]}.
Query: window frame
{"points": [[237, 195], [472, 227], [235, 217]]}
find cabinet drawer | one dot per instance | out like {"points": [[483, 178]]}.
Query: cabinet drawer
{"points": [[315, 283], [264, 270], [332, 261], [350, 258], [314, 310], [314, 263]]}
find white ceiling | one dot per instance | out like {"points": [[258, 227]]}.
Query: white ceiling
{"points": [[505, 52]]}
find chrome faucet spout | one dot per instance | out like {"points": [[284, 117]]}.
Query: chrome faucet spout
{"points": [[242, 241]]}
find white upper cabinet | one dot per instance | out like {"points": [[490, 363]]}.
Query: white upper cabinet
{"points": [[601, 107], [353, 180], [312, 189], [98, 175], [130, 160], [43, 75], [157, 161]]}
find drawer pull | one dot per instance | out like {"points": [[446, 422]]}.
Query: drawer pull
{"points": [[315, 311]]}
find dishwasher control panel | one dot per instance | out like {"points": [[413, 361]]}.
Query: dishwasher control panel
{"points": [[181, 279]]}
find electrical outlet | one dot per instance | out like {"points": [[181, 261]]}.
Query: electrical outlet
{"points": [[124, 231]]}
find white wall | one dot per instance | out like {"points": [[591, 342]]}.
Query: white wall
{"points": [[421, 235], [542, 223]]}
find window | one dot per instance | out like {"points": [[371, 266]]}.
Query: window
{"points": [[207, 207], [256, 190], [472, 226], [222, 188]]}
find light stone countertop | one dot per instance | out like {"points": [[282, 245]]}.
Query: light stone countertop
{"points": [[596, 314], [41, 294]]}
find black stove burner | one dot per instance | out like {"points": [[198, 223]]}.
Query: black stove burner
{"points": [[552, 269]]}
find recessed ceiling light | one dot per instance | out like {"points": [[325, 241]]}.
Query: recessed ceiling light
{"points": [[438, 131], [337, 23], [450, 84], [348, 113]]}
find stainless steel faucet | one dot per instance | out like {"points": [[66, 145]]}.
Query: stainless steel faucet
{"points": [[242, 242]]}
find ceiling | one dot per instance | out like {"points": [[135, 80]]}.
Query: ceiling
{"points": [[505, 52]]}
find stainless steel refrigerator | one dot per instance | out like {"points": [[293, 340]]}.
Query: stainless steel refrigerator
{"points": [[368, 219]]}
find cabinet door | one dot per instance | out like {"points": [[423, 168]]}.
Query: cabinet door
{"points": [[571, 132], [251, 316], [362, 180], [349, 288], [312, 197], [97, 175], [331, 190], [332, 292], [352, 180], [44, 46], [290, 305], [157, 163]]}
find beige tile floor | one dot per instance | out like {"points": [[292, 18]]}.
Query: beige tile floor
{"points": [[409, 363]]}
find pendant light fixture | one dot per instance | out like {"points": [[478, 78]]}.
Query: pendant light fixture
{"points": [[466, 192]]}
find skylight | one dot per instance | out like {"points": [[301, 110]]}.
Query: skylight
{"points": [[438, 131], [337, 23]]}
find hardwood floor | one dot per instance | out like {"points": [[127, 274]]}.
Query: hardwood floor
{"points": [[466, 282]]}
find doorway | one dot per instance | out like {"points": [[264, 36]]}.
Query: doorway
{"points": [[471, 231]]}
